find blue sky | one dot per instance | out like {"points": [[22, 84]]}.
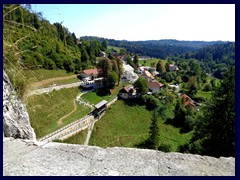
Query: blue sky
{"points": [[208, 22]]}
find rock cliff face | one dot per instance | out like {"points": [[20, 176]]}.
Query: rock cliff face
{"points": [[15, 117]]}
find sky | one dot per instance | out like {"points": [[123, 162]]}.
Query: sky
{"points": [[134, 22]]}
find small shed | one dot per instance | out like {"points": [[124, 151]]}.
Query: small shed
{"points": [[100, 107]]}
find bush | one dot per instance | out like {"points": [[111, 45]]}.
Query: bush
{"points": [[165, 147]]}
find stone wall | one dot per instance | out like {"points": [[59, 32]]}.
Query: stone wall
{"points": [[15, 116]]}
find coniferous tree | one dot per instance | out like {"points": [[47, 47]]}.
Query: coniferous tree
{"points": [[136, 60], [154, 132]]}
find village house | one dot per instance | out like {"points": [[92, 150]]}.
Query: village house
{"points": [[128, 92], [188, 102], [154, 86], [129, 74], [148, 76], [173, 67], [141, 69], [89, 74]]}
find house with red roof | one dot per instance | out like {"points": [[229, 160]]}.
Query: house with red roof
{"points": [[188, 102], [89, 74]]}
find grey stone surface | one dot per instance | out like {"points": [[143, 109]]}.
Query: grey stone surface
{"points": [[15, 117], [24, 157]]}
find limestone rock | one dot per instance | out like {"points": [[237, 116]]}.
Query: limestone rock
{"points": [[23, 158], [16, 119]]}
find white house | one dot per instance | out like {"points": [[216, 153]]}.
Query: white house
{"points": [[154, 86], [129, 74]]}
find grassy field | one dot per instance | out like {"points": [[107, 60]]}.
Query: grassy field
{"points": [[102, 94], [42, 74], [148, 62], [78, 138], [46, 110], [127, 125]]}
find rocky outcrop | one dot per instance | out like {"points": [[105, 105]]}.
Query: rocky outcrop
{"points": [[15, 117], [21, 158]]}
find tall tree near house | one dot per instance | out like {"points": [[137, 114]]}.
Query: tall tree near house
{"points": [[215, 130], [120, 68], [160, 68], [104, 65], [136, 60], [141, 85], [115, 66], [112, 78], [129, 61]]}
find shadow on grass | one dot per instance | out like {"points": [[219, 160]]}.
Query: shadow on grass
{"points": [[143, 144], [133, 102], [103, 92]]}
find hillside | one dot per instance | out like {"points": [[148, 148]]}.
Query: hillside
{"points": [[31, 42]]}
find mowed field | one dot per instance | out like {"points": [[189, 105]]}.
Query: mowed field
{"points": [[127, 125], [47, 110]]}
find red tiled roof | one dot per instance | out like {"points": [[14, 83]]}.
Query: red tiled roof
{"points": [[155, 84], [188, 100], [91, 71]]}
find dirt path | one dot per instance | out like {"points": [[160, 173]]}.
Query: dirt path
{"points": [[46, 81], [75, 108]]}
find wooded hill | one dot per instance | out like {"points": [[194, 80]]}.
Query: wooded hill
{"points": [[157, 48]]}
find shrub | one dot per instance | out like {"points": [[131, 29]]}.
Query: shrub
{"points": [[165, 147]]}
